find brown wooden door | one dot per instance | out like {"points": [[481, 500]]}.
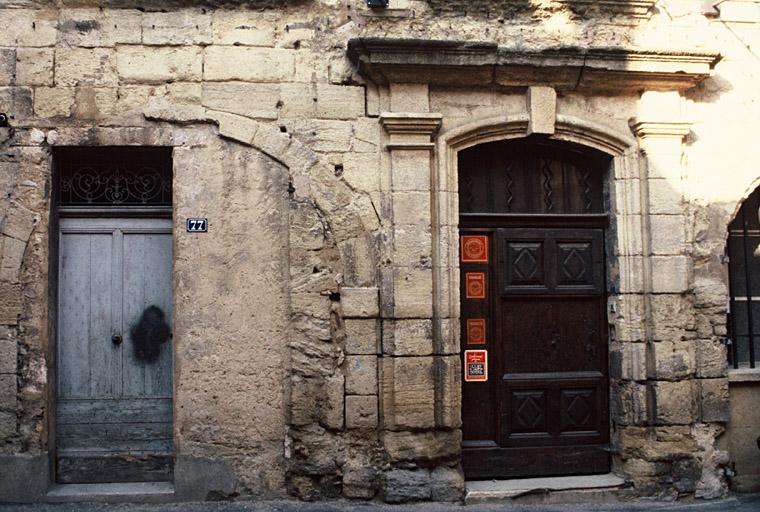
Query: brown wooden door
{"points": [[533, 299]]}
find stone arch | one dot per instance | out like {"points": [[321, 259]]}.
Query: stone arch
{"points": [[625, 165]]}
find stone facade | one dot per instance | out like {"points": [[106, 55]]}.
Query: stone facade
{"points": [[334, 368]]}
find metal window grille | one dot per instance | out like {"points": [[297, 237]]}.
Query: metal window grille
{"points": [[114, 176], [744, 283]]}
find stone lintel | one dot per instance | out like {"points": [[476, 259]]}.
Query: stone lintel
{"points": [[440, 62]]}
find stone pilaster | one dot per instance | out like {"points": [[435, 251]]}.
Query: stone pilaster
{"points": [[416, 384]]}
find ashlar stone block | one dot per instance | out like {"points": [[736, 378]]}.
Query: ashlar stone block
{"points": [[424, 447], [251, 100], [412, 208], [670, 274], [53, 101], [361, 336], [408, 392], [714, 400], [359, 302], [446, 484], [413, 292], [361, 411], [361, 375], [93, 28], [7, 392], [408, 337], [242, 28], [676, 402], [8, 355], [34, 66], [411, 170], [542, 109], [7, 66], [403, 485], [85, 66], [159, 65], [673, 360], [222, 63], [178, 27], [339, 101]]}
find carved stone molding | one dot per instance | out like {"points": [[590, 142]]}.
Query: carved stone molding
{"points": [[659, 129], [588, 8], [634, 8], [482, 63], [410, 130]]}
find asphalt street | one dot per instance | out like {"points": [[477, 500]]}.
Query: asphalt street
{"points": [[739, 503]]}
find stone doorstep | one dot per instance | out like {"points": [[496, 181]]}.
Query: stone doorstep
{"points": [[566, 489], [137, 492]]}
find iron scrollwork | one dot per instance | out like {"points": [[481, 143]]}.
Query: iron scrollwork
{"points": [[115, 187]]}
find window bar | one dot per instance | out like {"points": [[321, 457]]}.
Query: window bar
{"points": [[751, 326], [733, 350]]}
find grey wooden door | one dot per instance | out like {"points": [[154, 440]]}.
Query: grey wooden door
{"points": [[114, 351]]}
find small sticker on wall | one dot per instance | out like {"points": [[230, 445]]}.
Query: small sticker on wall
{"points": [[475, 365], [476, 331], [475, 285], [474, 248]]}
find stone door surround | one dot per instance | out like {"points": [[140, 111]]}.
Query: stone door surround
{"points": [[423, 174]]}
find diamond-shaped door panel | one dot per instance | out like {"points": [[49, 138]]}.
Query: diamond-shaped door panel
{"points": [[579, 410], [528, 411], [525, 264], [575, 264]]}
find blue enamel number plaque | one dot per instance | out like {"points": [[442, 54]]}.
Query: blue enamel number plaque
{"points": [[197, 225]]}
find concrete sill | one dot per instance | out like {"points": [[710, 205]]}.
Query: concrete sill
{"points": [[138, 492], [744, 375]]}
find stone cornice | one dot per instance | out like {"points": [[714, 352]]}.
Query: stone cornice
{"points": [[634, 8], [481, 63]]}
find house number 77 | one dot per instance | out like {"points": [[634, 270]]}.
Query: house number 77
{"points": [[197, 225]]}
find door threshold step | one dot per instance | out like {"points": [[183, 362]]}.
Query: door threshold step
{"points": [[127, 492], [546, 490]]}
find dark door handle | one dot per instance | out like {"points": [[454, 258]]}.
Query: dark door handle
{"points": [[116, 338]]}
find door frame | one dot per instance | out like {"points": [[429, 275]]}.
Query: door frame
{"points": [[56, 213], [623, 235]]}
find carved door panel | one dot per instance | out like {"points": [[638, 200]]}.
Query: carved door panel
{"points": [[114, 351], [544, 410]]}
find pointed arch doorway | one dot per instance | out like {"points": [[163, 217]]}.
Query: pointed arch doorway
{"points": [[533, 309]]}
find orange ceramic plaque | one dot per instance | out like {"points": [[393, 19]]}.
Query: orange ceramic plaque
{"points": [[475, 285], [474, 248], [475, 365], [476, 331]]}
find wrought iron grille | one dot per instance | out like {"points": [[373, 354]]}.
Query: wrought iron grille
{"points": [[744, 283], [114, 176]]}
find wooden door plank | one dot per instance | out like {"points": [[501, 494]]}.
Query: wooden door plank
{"points": [[158, 262], [93, 411], [74, 315], [129, 468], [116, 437], [102, 351]]}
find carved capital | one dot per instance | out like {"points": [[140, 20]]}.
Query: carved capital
{"points": [[644, 129], [410, 130]]}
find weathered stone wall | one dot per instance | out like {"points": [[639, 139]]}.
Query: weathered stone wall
{"points": [[320, 364]]}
